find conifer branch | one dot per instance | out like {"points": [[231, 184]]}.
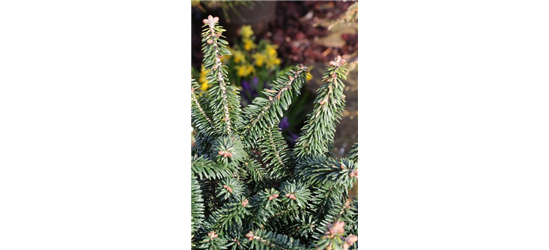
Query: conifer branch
{"points": [[255, 171], [319, 129], [200, 113], [197, 205], [207, 169], [214, 49], [274, 152], [265, 112], [200, 119], [260, 239]]}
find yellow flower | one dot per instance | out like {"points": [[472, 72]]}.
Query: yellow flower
{"points": [[271, 49], [272, 62], [259, 59], [238, 56], [204, 87], [249, 44], [309, 76], [271, 59], [244, 70], [246, 31], [203, 81]]}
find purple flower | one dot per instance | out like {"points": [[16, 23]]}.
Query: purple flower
{"points": [[250, 87], [294, 136], [284, 123], [246, 86]]}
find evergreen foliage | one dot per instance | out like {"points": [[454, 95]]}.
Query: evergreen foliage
{"points": [[249, 189]]}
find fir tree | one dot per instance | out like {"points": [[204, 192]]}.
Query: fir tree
{"points": [[249, 189]]}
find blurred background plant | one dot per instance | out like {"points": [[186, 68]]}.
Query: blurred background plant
{"points": [[225, 6], [218, 3], [306, 32]]}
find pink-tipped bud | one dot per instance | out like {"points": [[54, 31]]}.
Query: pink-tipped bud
{"points": [[250, 236], [221, 152], [209, 41], [354, 173], [273, 196], [351, 239], [338, 228], [245, 202], [212, 235]]}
